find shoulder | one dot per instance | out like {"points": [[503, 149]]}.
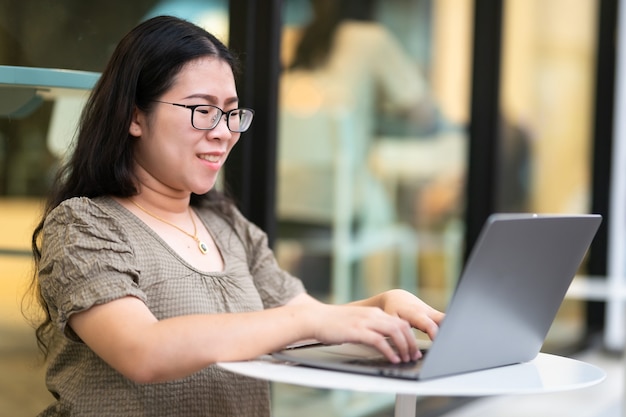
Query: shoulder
{"points": [[79, 209], [96, 217]]}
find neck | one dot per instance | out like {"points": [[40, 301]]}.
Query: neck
{"points": [[163, 203], [157, 196]]}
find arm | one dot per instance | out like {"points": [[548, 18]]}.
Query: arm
{"points": [[126, 335]]}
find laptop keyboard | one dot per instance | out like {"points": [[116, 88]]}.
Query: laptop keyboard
{"points": [[382, 363]]}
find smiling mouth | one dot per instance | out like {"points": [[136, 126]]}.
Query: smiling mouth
{"points": [[210, 158]]}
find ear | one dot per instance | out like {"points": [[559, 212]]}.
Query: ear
{"points": [[136, 123]]}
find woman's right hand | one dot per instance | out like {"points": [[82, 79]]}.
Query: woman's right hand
{"points": [[333, 324]]}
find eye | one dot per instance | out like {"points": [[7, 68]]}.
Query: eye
{"points": [[208, 112]]}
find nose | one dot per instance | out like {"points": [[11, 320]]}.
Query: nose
{"points": [[221, 130]]}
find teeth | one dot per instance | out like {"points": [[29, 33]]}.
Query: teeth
{"points": [[210, 158]]}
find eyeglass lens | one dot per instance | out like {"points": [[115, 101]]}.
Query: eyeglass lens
{"points": [[208, 117]]}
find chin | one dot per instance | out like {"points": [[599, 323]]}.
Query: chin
{"points": [[202, 185], [203, 190]]}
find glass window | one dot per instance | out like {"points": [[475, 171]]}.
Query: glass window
{"points": [[372, 143], [547, 95]]}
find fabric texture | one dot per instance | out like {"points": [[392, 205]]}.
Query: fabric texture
{"points": [[95, 251]]}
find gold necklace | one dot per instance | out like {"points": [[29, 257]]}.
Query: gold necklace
{"points": [[201, 245]]}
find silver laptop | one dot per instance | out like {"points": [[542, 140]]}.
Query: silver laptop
{"points": [[505, 302]]}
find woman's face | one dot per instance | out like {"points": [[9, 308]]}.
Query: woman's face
{"points": [[171, 156]]}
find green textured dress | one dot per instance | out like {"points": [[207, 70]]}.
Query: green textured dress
{"points": [[95, 251]]}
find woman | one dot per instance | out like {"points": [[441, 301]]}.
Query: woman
{"points": [[148, 276]]}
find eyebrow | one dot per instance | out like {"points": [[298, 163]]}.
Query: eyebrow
{"points": [[213, 99]]}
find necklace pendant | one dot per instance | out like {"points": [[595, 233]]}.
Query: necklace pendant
{"points": [[203, 247]]}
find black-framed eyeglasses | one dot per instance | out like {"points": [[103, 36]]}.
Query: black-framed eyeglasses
{"points": [[207, 117]]}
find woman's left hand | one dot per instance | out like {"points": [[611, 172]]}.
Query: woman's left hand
{"points": [[407, 306]]}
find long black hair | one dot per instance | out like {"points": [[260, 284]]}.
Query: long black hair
{"points": [[142, 68]]}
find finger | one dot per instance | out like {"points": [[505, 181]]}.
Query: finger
{"points": [[395, 336], [430, 327], [437, 316], [414, 352], [382, 344], [403, 339], [427, 322]]}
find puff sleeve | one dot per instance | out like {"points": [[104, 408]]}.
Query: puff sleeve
{"points": [[86, 260]]}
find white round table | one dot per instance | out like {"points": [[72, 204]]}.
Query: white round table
{"points": [[546, 373]]}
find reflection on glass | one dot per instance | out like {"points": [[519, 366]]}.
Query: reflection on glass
{"points": [[546, 107], [372, 145], [372, 149]]}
